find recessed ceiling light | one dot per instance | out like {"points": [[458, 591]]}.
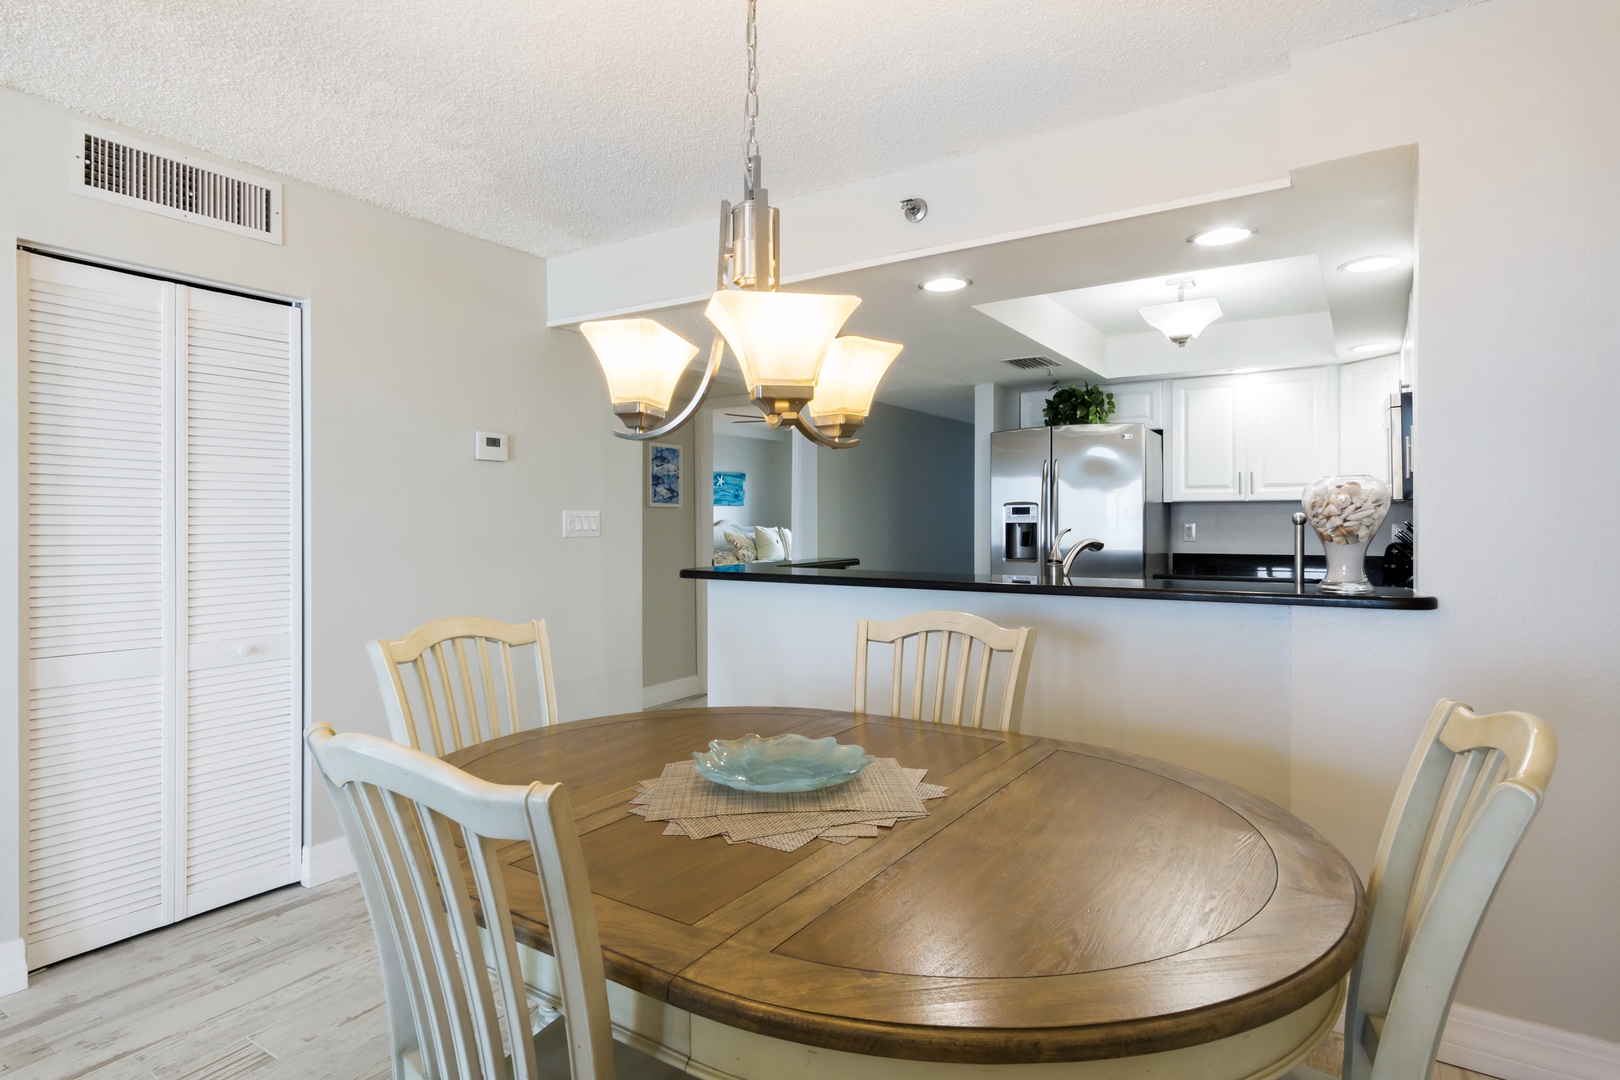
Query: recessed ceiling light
{"points": [[944, 284], [1370, 264], [1226, 234], [1376, 347]]}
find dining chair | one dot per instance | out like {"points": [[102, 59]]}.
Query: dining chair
{"points": [[1469, 793], [453, 669], [949, 640], [425, 837]]}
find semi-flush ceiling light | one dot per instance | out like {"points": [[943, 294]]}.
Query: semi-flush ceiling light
{"points": [[786, 343], [1226, 234], [944, 284], [1371, 264], [850, 373], [1185, 319], [1375, 347]]}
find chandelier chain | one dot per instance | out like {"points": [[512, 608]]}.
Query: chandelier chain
{"points": [[751, 103]]}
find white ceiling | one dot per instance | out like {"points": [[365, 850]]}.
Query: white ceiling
{"points": [[552, 125]]}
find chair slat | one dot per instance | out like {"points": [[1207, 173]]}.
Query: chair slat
{"points": [[511, 688], [489, 690], [432, 710], [959, 697], [452, 716]]}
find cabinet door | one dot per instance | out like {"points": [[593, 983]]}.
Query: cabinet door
{"points": [[1138, 403], [1292, 431], [1364, 390], [1205, 458]]}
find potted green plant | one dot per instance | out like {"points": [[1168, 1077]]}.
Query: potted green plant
{"points": [[1084, 404]]}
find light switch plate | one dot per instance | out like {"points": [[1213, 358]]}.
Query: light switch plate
{"points": [[582, 523], [1189, 530], [490, 445]]}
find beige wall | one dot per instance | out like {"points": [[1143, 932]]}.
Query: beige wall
{"points": [[668, 545], [418, 336]]}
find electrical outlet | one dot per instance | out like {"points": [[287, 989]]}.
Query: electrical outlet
{"points": [[582, 523], [1189, 530]]}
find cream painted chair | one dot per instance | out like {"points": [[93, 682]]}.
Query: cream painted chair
{"points": [[451, 988], [458, 686], [950, 641], [1469, 794]]}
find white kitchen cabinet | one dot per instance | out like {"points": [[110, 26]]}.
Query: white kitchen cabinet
{"points": [[1364, 390], [1252, 437], [1138, 403], [1206, 452]]}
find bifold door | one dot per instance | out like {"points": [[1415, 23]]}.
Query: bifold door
{"points": [[164, 592]]}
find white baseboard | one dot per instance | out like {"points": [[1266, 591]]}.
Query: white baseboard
{"points": [[325, 862], [13, 966], [673, 690], [1512, 1049], [1520, 1050]]}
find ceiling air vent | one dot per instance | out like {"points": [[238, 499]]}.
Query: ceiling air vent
{"points": [[1031, 363], [121, 170]]}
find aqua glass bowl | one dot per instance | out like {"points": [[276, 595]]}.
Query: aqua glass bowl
{"points": [[780, 763]]}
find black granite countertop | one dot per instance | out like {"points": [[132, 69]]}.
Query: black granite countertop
{"points": [[1254, 590]]}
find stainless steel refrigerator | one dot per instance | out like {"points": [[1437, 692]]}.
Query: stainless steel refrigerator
{"points": [[1099, 481]]}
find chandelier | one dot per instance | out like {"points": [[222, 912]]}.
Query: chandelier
{"points": [[799, 372]]}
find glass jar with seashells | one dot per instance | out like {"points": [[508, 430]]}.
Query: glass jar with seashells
{"points": [[1346, 512]]}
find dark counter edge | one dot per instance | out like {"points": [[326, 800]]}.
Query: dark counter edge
{"points": [[1386, 599]]}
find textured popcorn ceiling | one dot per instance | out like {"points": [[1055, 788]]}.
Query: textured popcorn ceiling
{"points": [[552, 125]]}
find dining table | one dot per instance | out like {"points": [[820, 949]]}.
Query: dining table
{"points": [[1064, 910]]}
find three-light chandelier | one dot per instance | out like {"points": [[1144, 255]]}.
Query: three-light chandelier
{"points": [[799, 372]]}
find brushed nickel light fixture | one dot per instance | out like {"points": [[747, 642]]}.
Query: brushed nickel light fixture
{"points": [[799, 372]]}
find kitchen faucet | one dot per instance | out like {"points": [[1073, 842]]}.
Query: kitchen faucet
{"points": [[1058, 568]]}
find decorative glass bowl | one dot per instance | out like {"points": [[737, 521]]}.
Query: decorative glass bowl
{"points": [[1346, 512], [780, 763]]}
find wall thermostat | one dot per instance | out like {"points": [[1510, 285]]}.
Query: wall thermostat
{"points": [[489, 445]]}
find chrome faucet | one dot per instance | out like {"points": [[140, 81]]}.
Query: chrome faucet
{"points": [[1058, 568]]}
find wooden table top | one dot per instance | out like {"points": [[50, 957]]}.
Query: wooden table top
{"points": [[1063, 902]]}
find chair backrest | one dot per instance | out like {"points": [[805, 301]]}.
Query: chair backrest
{"points": [[424, 836], [458, 685], [1468, 796], [952, 641]]}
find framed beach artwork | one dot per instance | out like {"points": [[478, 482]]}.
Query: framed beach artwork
{"points": [[663, 475], [728, 488]]}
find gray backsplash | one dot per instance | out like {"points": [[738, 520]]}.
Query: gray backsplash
{"points": [[1259, 528]]}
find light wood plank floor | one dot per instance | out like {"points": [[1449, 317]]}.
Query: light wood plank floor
{"points": [[281, 987]]}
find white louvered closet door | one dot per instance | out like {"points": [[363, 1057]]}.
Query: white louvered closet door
{"points": [[241, 586], [163, 597], [98, 768]]}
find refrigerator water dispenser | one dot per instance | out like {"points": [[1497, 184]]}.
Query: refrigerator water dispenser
{"points": [[1020, 542]]}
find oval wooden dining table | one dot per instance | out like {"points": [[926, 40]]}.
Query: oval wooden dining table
{"points": [[1065, 910]]}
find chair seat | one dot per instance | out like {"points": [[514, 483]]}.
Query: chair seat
{"points": [[551, 1052]]}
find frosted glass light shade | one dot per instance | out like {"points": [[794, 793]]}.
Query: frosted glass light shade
{"points": [[779, 338], [849, 379], [641, 358], [1184, 320]]}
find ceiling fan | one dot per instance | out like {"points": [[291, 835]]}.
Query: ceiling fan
{"points": [[746, 418]]}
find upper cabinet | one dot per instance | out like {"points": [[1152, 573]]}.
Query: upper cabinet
{"points": [[1138, 403], [1364, 391], [1261, 436]]}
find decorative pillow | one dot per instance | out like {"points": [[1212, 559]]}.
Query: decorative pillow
{"points": [[768, 544], [740, 539], [787, 541]]}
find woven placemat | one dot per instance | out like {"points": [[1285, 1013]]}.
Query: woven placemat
{"points": [[682, 793], [694, 807]]}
